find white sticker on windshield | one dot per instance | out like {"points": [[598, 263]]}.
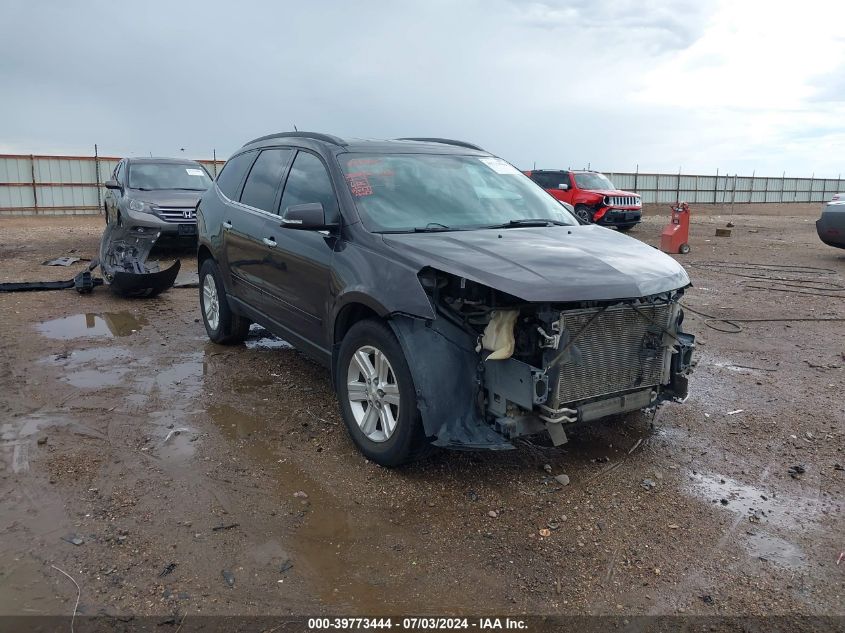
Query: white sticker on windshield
{"points": [[194, 172], [499, 166]]}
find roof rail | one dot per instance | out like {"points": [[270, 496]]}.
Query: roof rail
{"points": [[326, 138], [445, 141]]}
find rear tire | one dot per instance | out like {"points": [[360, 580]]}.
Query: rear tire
{"points": [[583, 213], [684, 249], [377, 396], [221, 324]]}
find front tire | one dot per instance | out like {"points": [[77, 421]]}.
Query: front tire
{"points": [[583, 213], [377, 396], [221, 324]]}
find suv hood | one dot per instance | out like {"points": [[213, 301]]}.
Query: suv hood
{"points": [[168, 197], [547, 264]]}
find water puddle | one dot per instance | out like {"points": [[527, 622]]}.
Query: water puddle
{"points": [[760, 505], [333, 547], [775, 550], [107, 324]]}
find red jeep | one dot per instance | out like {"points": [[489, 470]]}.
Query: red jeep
{"points": [[594, 197]]}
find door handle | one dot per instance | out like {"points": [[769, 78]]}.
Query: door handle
{"points": [[270, 241], [227, 225]]}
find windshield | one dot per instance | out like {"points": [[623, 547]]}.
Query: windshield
{"points": [[149, 176], [403, 192], [593, 181]]}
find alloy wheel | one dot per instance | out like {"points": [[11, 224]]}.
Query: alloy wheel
{"points": [[373, 393]]}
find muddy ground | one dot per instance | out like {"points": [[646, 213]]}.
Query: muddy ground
{"points": [[171, 460]]}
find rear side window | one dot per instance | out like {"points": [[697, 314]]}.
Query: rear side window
{"points": [[264, 179], [233, 174], [309, 182]]}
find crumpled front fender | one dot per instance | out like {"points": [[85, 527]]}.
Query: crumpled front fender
{"points": [[445, 369]]}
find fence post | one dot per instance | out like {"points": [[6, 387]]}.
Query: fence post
{"points": [[782, 185], [678, 186], [214, 162], [97, 177], [636, 176], [716, 187], [34, 189]]}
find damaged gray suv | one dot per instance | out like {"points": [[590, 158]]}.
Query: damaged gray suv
{"points": [[455, 302]]}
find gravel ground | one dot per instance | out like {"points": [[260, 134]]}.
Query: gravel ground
{"points": [[204, 479]]}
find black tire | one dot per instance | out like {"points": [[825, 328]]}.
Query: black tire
{"points": [[408, 441], [231, 328], [684, 249], [625, 227], [583, 213]]}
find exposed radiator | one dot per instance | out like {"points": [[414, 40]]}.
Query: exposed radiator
{"points": [[619, 350]]}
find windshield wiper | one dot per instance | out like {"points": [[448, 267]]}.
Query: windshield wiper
{"points": [[432, 227], [528, 222]]}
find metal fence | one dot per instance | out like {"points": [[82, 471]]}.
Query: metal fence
{"points": [[58, 185], [726, 189]]}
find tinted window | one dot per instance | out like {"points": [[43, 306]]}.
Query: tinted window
{"points": [[309, 182], [550, 180], [233, 173], [118, 173], [264, 179]]}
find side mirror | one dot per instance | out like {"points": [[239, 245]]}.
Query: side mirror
{"points": [[564, 186], [112, 184], [306, 217]]}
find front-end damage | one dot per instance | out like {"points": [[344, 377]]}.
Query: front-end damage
{"points": [[535, 367], [123, 260]]}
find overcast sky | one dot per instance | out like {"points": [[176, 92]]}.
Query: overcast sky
{"points": [[696, 85]]}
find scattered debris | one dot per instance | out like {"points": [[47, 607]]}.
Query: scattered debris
{"points": [[563, 480], [73, 539], [635, 446], [78, 594], [841, 556], [300, 494], [168, 569], [547, 468], [61, 261], [286, 566], [673, 526], [707, 599], [228, 526], [229, 577], [723, 232], [838, 467], [796, 470], [648, 484], [42, 440], [493, 514], [735, 412], [545, 532], [723, 501], [473, 495]]}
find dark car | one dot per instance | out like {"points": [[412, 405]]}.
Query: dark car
{"points": [[454, 301], [831, 225], [156, 195], [594, 198]]}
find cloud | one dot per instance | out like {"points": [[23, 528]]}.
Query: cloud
{"points": [[609, 83]]}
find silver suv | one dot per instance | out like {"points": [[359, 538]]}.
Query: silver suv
{"points": [[156, 194]]}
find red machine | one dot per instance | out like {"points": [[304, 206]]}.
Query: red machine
{"points": [[675, 237]]}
